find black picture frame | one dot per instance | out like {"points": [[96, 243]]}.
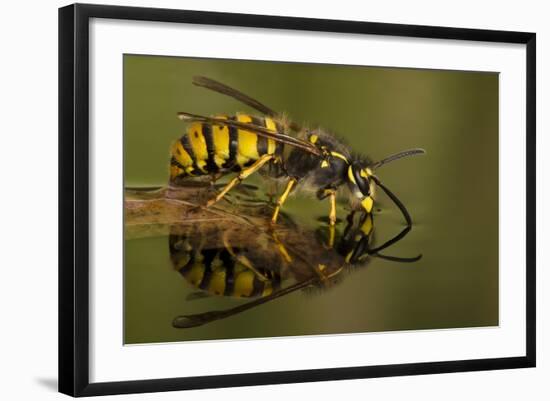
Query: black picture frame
{"points": [[74, 198]]}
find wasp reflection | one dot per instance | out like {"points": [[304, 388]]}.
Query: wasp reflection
{"points": [[262, 263]]}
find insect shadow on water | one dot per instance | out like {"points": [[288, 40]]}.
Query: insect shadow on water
{"points": [[262, 263]]}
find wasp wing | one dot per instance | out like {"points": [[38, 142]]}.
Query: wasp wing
{"points": [[216, 86], [258, 130], [234, 93]]}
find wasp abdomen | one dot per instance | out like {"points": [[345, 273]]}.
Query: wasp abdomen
{"points": [[217, 272], [207, 148]]}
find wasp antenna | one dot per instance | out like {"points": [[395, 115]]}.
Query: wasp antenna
{"points": [[184, 116], [200, 80], [187, 321], [396, 201], [399, 258], [399, 155]]}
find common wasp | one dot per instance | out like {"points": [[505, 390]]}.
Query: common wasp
{"points": [[280, 149]]}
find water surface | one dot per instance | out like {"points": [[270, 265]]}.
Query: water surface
{"points": [[451, 193]]}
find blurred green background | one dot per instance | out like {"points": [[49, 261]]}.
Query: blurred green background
{"points": [[452, 193]]}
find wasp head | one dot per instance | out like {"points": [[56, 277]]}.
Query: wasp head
{"points": [[362, 181], [361, 185]]}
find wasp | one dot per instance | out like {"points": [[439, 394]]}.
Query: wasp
{"points": [[278, 148]]}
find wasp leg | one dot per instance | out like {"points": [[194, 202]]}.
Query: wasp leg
{"points": [[323, 193], [332, 214], [323, 277], [242, 175], [248, 264], [215, 177], [331, 194], [282, 199], [242, 259], [331, 236], [282, 249]]}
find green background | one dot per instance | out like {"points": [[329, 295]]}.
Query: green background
{"points": [[452, 193]]}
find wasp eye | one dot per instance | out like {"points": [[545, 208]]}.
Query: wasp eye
{"points": [[362, 181]]}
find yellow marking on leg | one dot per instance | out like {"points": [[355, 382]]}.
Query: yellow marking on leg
{"points": [[282, 199], [198, 144], [282, 249], [332, 214], [332, 234], [242, 175]]}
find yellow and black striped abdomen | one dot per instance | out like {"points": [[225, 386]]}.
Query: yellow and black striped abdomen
{"points": [[217, 272], [210, 148]]}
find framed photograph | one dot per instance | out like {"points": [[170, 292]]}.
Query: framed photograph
{"points": [[251, 199]]}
